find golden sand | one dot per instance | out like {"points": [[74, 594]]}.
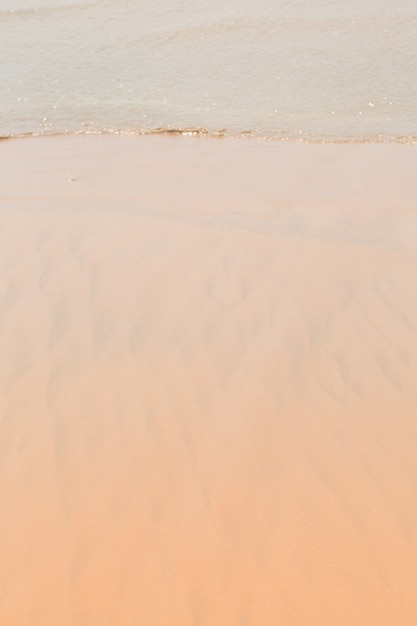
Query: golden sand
{"points": [[208, 396]]}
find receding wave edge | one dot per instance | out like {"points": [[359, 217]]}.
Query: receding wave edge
{"points": [[302, 137]]}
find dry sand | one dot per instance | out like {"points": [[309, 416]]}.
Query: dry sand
{"points": [[208, 383]]}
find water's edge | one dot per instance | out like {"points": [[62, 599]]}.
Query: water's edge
{"points": [[300, 137]]}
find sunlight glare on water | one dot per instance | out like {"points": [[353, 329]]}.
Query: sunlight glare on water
{"points": [[275, 68]]}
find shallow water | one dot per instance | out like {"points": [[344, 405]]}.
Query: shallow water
{"points": [[329, 71]]}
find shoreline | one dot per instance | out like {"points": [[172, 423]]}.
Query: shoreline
{"points": [[207, 382], [228, 134]]}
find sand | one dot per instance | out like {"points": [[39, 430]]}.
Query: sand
{"points": [[208, 398]]}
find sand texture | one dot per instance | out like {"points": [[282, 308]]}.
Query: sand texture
{"points": [[208, 383]]}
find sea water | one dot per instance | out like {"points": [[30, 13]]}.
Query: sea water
{"points": [[312, 69]]}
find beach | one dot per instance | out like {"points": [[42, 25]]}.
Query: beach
{"points": [[208, 399]]}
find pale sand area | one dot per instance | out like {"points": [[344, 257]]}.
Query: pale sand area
{"points": [[208, 383]]}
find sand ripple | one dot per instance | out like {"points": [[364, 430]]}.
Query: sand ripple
{"points": [[207, 383]]}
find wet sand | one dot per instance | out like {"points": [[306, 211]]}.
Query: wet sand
{"points": [[208, 398]]}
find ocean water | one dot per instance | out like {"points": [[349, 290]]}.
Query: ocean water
{"points": [[321, 69]]}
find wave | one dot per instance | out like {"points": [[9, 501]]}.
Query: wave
{"points": [[224, 26], [229, 134], [44, 10]]}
